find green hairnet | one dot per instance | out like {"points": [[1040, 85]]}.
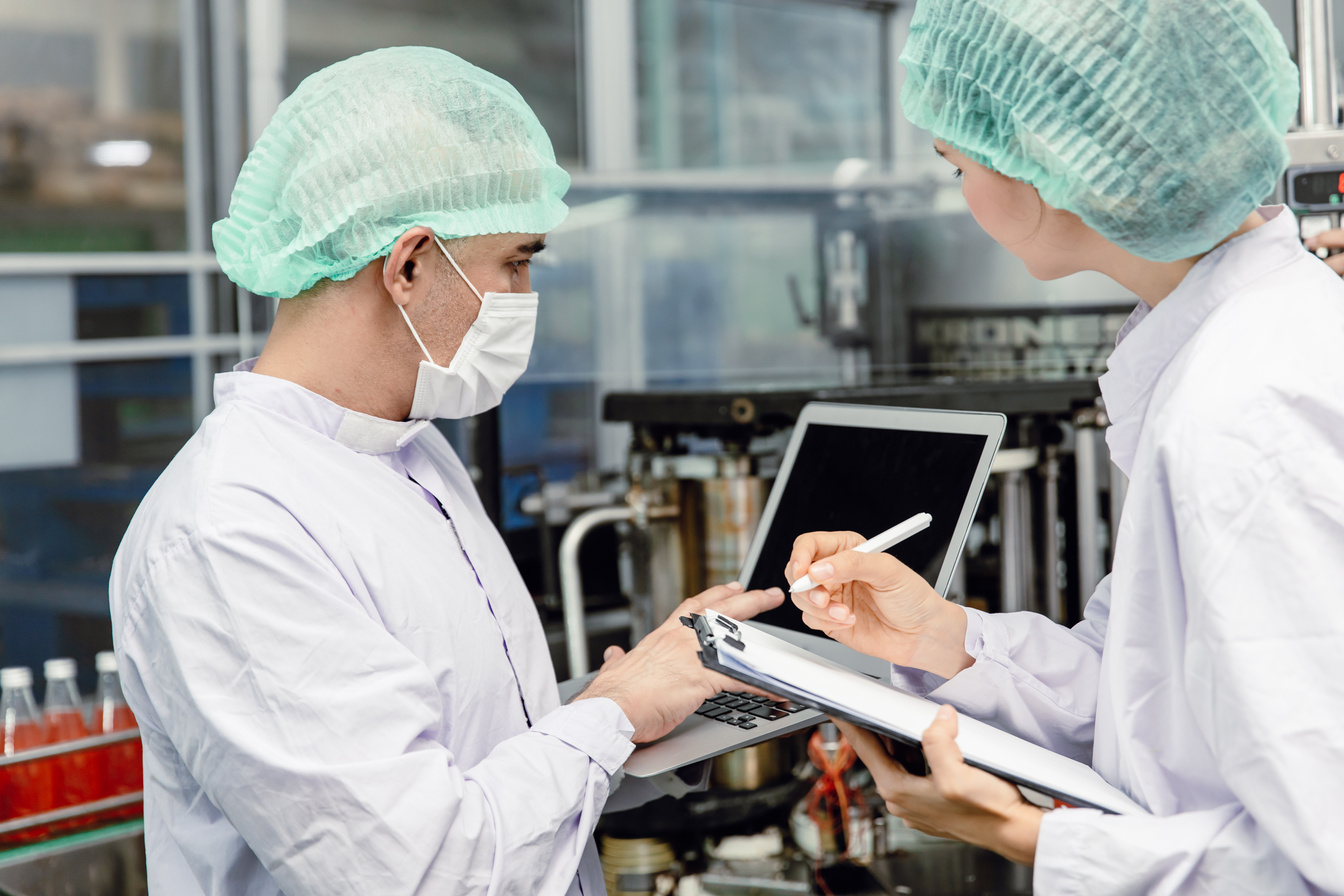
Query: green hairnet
{"points": [[1160, 123], [377, 144]]}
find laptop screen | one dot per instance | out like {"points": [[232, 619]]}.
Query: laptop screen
{"points": [[868, 480]]}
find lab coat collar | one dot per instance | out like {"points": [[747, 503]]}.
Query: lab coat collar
{"points": [[1152, 336], [363, 433]]}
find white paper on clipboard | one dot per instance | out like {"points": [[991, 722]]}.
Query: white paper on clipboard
{"points": [[890, 710]]}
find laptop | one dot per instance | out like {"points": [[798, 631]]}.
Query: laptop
{"points": [[847, 467]]}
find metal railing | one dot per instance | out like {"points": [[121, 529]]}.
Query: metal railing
{"points": [[79, 810]]}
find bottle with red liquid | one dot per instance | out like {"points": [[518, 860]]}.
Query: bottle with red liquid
{"points": [[25, 787], [76, 777], [123, 764]]}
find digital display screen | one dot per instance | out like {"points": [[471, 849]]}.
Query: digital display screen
{"points": [[847, 478], [1319, 188]]}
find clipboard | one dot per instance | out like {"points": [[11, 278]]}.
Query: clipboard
{"points": [[728, 646]]}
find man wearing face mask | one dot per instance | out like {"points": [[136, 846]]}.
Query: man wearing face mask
{"points": [[340, 677]]}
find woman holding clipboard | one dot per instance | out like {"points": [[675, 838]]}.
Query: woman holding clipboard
{"points": [[1137, 138]]}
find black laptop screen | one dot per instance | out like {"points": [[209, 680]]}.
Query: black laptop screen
{"points": [[868, 480]]}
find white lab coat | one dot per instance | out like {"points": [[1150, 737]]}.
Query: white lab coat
{"points": [[1207, 679], [336, 695]]}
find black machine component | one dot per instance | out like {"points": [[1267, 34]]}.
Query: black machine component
{"points": [[737, 416], [1029, 555], [1315, 193], [1316, 188]]}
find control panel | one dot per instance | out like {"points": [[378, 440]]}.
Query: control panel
{"points": [[1316, 196]]}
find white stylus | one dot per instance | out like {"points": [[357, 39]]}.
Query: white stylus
{"points": [[890, 538]]}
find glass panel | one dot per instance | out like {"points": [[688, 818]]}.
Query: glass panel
{"points": [[706, 304], [532, 44], [60, 526], [90, 126], [730, 83], [716, 301], [125, 306], [135, 412]]}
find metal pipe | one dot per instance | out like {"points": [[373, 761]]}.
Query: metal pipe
{"points": [[44, 818], [21, 264], [128, 349], [1013, 595], [227, 83], [265, 30], [571, 580], [1054, 591], [1316, 64], [70, 746], [196, 177], [1089, 548]]}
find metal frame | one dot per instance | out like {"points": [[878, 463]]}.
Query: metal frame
{"points": [[90, 808]]}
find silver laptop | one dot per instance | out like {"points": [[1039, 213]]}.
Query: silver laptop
{"points": [[847, 467]]}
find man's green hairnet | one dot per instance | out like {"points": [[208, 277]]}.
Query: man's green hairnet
{"points": [[1160, 123], [377, 144]]}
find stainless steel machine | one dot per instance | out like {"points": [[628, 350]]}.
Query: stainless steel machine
{"points": [[1314, 184]]}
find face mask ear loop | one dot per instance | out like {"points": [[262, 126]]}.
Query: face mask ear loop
{"points": [[453, 262], [402, 309]]}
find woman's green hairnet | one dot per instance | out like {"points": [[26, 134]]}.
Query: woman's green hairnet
{"points": [[377, 144], [1160, 123]]}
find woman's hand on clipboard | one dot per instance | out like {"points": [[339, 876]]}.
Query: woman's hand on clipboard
{"points": [[954, 800], [877, 605]]}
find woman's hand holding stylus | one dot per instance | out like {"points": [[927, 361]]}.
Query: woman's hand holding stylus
{"points": [[877, 605]]}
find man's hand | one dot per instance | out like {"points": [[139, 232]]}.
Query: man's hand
{"points": [[1330, 239], [877, 605], [954, 800], [661, 680]]}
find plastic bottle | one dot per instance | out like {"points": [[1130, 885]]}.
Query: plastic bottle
{"points": [[124, 766], [77, 778], [25, 787]]}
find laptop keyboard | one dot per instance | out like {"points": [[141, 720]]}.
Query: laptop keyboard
{"points": [[745, 710]]}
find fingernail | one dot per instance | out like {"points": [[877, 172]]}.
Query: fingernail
{"points": [[736, 586], [839, 613], [852, 619], [819, 597], [820, 571], [788, 571], [1310, 242], [946, 712], [775, 592], [608, 653]]}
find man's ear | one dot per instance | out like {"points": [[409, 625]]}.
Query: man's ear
{"points": [[406, 265]]}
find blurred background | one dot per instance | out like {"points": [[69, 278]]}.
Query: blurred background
{"points": [[754, 225]]}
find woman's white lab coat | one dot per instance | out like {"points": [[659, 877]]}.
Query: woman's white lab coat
{"points": [[1207, 679]]}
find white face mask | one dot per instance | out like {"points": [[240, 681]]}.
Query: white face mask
{"points": [[492, 356]]}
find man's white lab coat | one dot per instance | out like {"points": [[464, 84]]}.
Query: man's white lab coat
{"points": [[342, 688], [1207, 679]]}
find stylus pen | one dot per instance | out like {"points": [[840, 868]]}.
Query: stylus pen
{"points": [[890, 538]]}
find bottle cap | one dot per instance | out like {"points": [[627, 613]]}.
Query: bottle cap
{"points": [[105, 661], [61, 667], [16, 677]]}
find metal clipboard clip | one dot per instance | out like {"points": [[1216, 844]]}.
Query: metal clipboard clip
{"points": [[709, 639]]}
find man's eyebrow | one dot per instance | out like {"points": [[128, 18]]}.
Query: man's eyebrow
{"points": [[533, 247]]}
